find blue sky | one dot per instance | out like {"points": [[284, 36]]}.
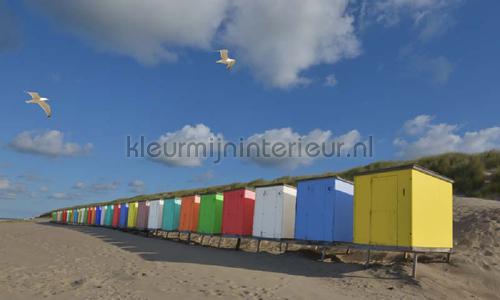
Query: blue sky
{"points": [[419, 76]]}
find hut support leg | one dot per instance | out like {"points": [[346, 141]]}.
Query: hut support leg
{"points": [[238, 241], [189, 238], [286, 247], [280, 246], [220, 240], [258, 246], [323, 250], [348, 251], [415, 262], [368, 258], [448, 257]]}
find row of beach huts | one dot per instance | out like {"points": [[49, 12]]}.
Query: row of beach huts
{"points": [[406, 208]]}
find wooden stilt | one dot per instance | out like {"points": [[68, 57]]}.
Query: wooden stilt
{"points": [[448, 257], [220, 240], [286, 247], [280, 246], [258, 246], [238, 241], [348, 251], [368, 258], [323, 254], [415, 262], [189, 237]]}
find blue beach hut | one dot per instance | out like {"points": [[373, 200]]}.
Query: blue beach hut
{"points": [[123, 215], [324, 210], [75, 216], [98, 212]]}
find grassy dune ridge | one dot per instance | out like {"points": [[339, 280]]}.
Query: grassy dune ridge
{"points": [[475, 175]]}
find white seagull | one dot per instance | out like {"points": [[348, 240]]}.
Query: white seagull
{"points": [[225, 60], [36, 99]]}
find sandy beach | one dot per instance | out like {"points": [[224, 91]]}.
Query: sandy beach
{"points": [[43, 260]]}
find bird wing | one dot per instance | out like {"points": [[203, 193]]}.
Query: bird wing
{"points": [[34, 95], [231, 64], [46, 108], [224, 54]]}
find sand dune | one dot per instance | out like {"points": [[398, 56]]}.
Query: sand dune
{"points": [[42, 260]]}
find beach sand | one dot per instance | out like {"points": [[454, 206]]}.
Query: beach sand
{"points": [[42, 260]]}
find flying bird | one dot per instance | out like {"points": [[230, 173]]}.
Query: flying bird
{"points": [[225, 60], [36, 99]]}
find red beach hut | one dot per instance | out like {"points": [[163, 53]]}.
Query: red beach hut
{"points": [[89, 215], [116, 216], [237, 214], [64, 216]]}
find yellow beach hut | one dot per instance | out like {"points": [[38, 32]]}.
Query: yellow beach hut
{"points": [[406, 207]]}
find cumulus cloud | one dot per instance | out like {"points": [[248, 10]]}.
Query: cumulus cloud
{"points": [[149, 31], [417, 125], [280, 39], [137, 186], [277, 40], [49, 143], [187, 147], [285, 148], [432, 139]]}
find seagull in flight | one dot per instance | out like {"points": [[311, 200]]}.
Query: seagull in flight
{"points": [[225, 60], [36, 99]]}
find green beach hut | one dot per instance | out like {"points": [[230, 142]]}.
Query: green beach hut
{"points": [[210, 218]]}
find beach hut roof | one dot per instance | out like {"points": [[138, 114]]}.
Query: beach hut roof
{"points": [[406, 167]]}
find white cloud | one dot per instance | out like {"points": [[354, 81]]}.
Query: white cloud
{"points": [[280, 39], [277, 39], [137, 186], [4, 183], [331, 80], [48, 143], [150, 31], [433, 139], [44, 189], [292, 149], [187, 147], [418, 124]]}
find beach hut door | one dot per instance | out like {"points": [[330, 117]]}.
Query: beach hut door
{"points": [[383, 218]]}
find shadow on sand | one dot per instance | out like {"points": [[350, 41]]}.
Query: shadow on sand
{"points": [[293, 263]]}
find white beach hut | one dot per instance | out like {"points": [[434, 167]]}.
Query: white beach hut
{"points": [[274, 215], [155, 214], [103, 215]]}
